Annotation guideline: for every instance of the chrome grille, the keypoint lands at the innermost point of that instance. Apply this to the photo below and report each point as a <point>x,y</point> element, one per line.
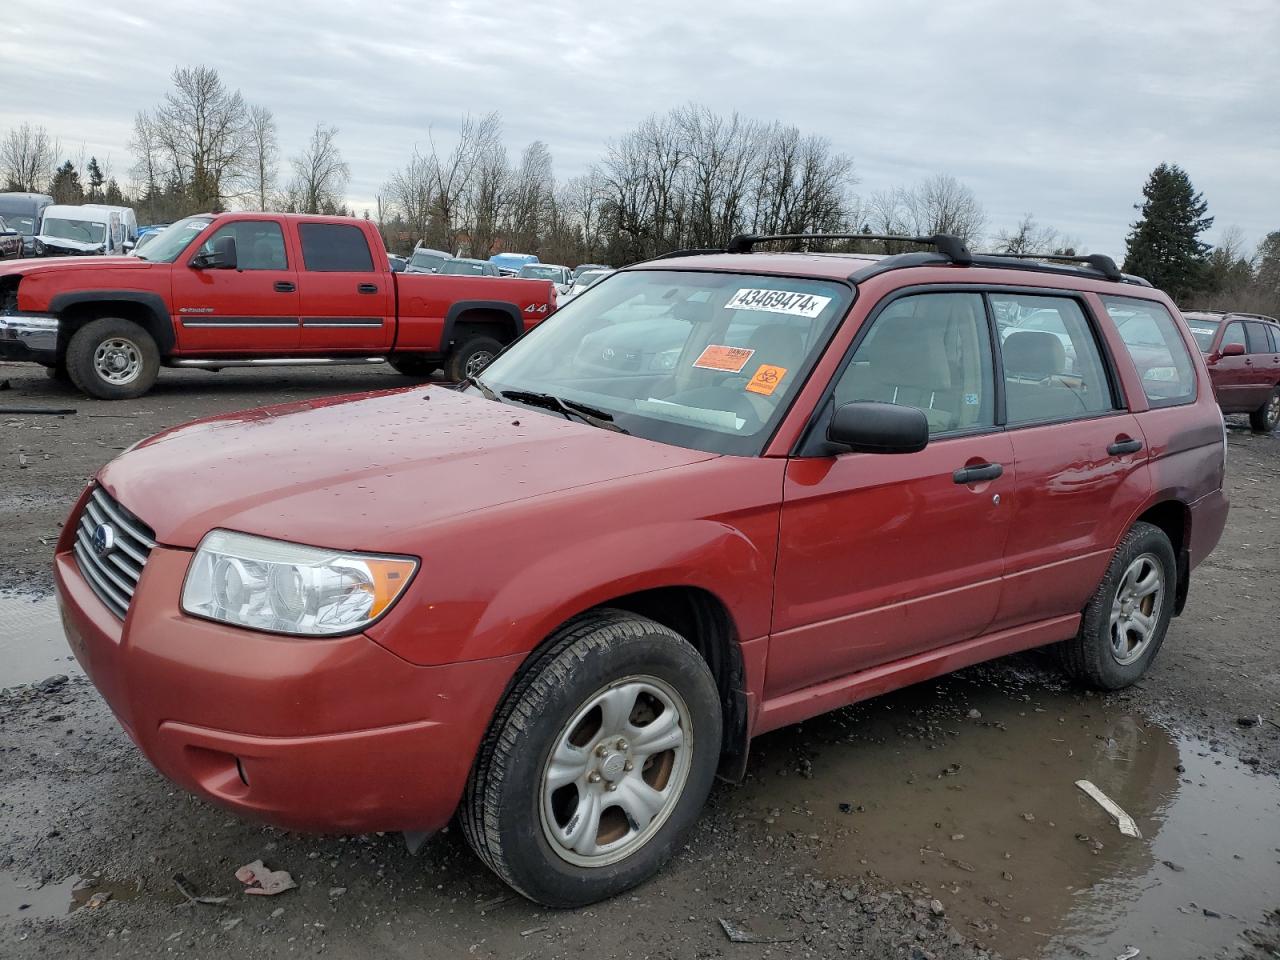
<point>113,563</point>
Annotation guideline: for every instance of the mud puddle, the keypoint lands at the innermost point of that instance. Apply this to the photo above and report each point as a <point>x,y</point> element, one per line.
<point>964,791</point>
<point>32,644</point>
<point>22,899</point>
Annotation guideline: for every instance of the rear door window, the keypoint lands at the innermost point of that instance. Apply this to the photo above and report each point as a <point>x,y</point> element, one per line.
<point>1259,339</point>
<point>1233,334</point>
<point>1053,369</point>
<point>334,248</point>
<point>1157,349</point>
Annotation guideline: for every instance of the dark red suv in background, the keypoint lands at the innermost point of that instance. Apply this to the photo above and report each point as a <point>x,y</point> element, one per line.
<point>1243,354</point>
<point>711,496</point>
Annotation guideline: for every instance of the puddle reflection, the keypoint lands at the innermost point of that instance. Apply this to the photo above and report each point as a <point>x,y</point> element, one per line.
<point>967,788</point>
<point>32,645</point>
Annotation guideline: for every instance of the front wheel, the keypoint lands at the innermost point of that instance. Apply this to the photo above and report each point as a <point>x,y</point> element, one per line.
<point>113,359</point>
<point>1128,616</point>
<point>1265,418</point>
<point>598,762</point>
<point>470,357</point>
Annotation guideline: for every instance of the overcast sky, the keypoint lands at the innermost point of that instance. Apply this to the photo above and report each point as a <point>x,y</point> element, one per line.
<point>1060,110</point>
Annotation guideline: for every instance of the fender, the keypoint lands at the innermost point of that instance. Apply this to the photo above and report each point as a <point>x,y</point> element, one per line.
<point>160,327</point>
<point>510,310</point>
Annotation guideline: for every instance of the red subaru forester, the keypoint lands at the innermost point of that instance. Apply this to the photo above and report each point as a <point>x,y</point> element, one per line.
<point>714,495</point>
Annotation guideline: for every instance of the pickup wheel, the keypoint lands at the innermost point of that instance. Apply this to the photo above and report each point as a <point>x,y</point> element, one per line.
<point>414,366</point>
<point>597,763</point>
<point>113,359</point>
<point>1128,616</point>
<point>470,357</point>
<point>1265,418</point>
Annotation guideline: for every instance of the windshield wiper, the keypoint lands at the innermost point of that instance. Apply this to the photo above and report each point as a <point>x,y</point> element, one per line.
<point>593,416</point>
<point>482,387</point>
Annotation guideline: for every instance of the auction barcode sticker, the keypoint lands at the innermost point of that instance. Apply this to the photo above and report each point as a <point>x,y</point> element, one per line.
<point>779,301</point>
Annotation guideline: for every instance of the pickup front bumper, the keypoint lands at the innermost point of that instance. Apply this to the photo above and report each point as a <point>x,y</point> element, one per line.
<point>29,336</point>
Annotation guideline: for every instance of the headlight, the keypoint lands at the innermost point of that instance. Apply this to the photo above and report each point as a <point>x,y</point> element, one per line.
<point>288,588</point>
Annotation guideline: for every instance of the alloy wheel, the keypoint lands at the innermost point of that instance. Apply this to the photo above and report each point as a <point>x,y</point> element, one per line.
<point>1135,610</point>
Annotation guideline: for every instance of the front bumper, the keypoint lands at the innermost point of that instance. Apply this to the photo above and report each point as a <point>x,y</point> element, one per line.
<point>332,736</point>
<point>29,336</point>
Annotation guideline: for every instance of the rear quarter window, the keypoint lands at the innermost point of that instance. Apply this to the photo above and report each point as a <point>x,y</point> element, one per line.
<point>1157,349</point>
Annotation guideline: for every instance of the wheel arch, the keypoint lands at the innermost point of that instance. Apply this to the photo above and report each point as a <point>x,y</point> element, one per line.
<point>148,310</point>
<point>1173,516</point>
<point>498,317</point>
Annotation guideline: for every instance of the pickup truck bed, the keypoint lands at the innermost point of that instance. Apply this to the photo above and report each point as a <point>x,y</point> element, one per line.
<point>254,289</point>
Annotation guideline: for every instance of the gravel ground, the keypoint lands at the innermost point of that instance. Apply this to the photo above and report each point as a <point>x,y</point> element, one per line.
<point>79,806</point>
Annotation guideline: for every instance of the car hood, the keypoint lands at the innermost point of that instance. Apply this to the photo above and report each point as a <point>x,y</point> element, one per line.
<point>366,472</point>
<point>79,264</point>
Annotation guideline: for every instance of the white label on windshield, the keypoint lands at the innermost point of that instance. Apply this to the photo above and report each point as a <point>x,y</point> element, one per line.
<point>779,301</point>
<point>1209,330</point>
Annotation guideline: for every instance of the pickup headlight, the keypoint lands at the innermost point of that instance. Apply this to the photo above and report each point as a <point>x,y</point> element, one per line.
<point>285,587</point>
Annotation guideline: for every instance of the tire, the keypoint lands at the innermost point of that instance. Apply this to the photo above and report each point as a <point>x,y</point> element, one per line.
<point>523,828</point>
<point>420,368</point>
<point>1265,418</point>
<point>1110,656</point>
<point>470,357</point>
<point>102,344</point>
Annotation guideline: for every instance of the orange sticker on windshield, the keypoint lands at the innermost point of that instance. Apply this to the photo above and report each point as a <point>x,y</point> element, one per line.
<point>728,359</point>
<point>766,379</point>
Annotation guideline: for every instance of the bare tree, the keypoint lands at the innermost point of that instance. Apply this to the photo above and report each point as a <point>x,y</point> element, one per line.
<point>320,175</point>
<point>28,156</point>
<point>197,138</point>
<point>411,194</point>
<point>532,192</point>
<point>264,155</point>
<point>1028,236</point>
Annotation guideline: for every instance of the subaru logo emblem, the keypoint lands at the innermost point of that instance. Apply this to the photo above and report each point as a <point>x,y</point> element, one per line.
<point>104,539</point>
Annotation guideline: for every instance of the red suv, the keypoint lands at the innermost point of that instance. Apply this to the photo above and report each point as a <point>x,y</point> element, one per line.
<point>714,495</point>
<point>1243,354</point>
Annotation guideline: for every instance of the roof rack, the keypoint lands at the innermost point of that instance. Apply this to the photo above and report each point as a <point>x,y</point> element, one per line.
<point>953,248</point>
<point>1100,262</point>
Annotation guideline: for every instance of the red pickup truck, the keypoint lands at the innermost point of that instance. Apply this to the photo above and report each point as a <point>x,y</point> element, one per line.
<point>254,289</point>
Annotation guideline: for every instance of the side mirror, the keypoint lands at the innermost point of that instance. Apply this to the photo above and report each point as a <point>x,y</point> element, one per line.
<point>868,426</point>
<point>223,256</point>
<point>1233,350</point>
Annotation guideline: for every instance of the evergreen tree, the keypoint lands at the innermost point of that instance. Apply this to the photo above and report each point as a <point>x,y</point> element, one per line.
<point>1164,245</point>
<point>96,180</point>
<point>66,187</point>
<point>1269,264</point>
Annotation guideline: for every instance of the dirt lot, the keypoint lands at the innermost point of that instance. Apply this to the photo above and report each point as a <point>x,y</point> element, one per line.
<point>937,822</point>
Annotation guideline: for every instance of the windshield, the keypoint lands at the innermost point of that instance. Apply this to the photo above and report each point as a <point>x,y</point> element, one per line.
<point>462,267</point>
<point>427,261</point>
<point>173,239</point>
<point>82,231</point>
<point>1203,331</point>
<point>708,361</point>
<point>538,272</point>
<point>24,225</point>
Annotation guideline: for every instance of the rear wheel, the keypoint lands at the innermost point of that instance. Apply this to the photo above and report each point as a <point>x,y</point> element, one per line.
<point>598,762</point>
<point>1128,616</point>
<point>1265,418</point>
<point>113,359</point>
<point>470,357</point>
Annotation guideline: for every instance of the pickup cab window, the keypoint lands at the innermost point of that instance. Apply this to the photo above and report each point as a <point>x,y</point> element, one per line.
<point>259,244</point>
<point>334,248</point>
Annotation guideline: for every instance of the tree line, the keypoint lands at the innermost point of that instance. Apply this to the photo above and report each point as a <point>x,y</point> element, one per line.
<point>686,179</point>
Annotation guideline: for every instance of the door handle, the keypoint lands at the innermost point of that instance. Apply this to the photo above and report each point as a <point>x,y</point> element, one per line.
<point>367,287</point>
<point>284,286</point>
<point>1121,447</point>
<point>977,473</point>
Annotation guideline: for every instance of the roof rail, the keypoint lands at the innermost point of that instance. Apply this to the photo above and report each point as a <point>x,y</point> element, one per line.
<point>1100,262</point>
<point>953,248</point>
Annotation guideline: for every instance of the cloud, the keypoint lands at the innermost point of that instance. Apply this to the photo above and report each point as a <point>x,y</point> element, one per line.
<point>1060,111</point>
